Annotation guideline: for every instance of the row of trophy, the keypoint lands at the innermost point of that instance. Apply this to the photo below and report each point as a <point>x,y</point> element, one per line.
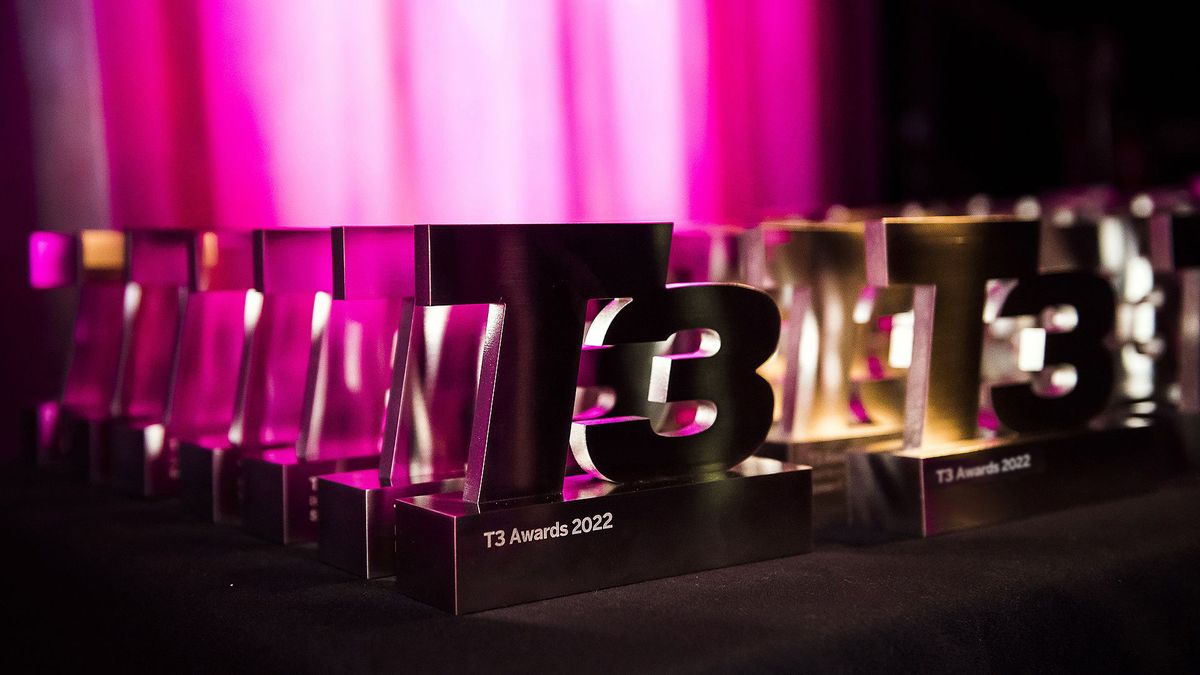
<point>502,413</point>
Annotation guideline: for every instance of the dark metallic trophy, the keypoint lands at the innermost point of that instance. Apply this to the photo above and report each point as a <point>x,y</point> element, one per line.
<point>426,431</point>
<point>347,376</point>
<point>1175,247</point>
<point>156,271</point>
<point>837,382</point>
<point>93,262</point>
<point>655,503</point>
<point>1053,445</point>
<point>201,386</point>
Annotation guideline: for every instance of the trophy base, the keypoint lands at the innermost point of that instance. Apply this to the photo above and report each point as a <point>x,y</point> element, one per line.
<point>145,463</point>
<point>356,530</point>
<point>210,480</point>
<point>83,445</point>
<point>827,457</point>
<point>923,492</point>
<point>279,503</point>
<point>464,557</point>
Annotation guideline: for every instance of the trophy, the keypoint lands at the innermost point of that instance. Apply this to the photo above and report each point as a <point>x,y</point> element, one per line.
<point>1175,249</point>
<point>701,252</point>
<point>155,273</point>
<point>93,262</point>
<point>270,371</point>
<point>652,504</point>
<point>838,384</point>
<point>347,376</point>
<point>1052,446</point>
<point>202,387</point>
<point>426,431</point>
<point>1115,246</point>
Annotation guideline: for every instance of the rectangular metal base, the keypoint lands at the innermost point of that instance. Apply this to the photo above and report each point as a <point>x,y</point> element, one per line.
<point>464,557</point>
<point>827,457</point>
<point>145,463</point>
<point>923,492</point>
<point>356,530</point>
<point>279,502</point>
<point>210,480</point>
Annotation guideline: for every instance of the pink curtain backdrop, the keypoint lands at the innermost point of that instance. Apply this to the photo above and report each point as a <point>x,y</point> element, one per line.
<point>259,113</point>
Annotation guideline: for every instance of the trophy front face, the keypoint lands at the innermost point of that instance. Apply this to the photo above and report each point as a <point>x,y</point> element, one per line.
<point>1027,351</point>
<point>537,280</point>
<point>949,263</point>
<point>682,410</point>
<point>833,373</point>
<point>721,372</point>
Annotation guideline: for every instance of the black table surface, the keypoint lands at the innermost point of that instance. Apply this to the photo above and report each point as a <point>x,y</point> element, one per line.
<point>93,580</point>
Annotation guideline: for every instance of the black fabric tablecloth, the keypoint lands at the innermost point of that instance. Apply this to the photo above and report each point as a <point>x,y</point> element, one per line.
<point>93,579</point>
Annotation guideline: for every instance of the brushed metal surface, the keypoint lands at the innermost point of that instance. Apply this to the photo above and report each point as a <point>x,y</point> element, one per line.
<point>537,280</point>
<point>721,372</point>
<point>760,510</point>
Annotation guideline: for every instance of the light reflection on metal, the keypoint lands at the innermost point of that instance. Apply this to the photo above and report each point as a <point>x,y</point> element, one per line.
<point>102,253</point>
<point>537,280</point>
<point>1100,237</point>
<point>815,272</point>
<point>734,413</point>
<point>704,253</point>
<point>951,259</point>
<point>94,262</point>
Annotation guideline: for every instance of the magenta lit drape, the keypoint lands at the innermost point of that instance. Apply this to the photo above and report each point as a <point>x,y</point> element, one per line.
<point>252,113</point>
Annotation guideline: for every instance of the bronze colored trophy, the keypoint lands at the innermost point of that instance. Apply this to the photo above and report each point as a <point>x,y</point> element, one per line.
<point>837,383</point>
<point>1054,447</point>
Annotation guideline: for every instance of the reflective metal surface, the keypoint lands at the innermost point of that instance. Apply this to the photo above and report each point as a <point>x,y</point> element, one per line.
<point>1022,407</point>
<point>425,433</point>
<point>949,261</point>
<point>816,274</point>
<point>1089,234</point>
<point>537,280</point>
<point>924,492</point>
<point>696,345</point>
<point>356,529</point>
<point>721,372</point>
<point>276,345</point>
<point>942,477</point>
<point>701,252</point>
<point>348,370</point>
<point>94,262</point>
<point>463,557</point>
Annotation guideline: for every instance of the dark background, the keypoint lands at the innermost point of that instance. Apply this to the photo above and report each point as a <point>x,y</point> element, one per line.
<point>939,99</point>
<point>1024,96</point>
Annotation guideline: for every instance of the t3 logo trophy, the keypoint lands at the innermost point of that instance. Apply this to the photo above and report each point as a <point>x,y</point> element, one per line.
<point>839,385</point>
<point>653,504</point>
<point>1053,447</point>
